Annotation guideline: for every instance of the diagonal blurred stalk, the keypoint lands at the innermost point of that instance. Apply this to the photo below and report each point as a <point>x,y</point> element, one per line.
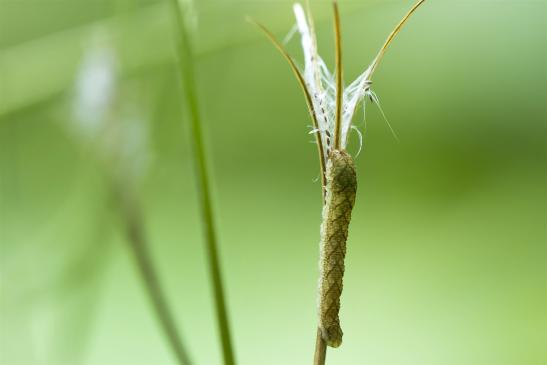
<point>186,72</point>
<point>131,214</point>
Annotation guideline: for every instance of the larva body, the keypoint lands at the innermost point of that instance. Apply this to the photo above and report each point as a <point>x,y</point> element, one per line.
<point>339,200</point>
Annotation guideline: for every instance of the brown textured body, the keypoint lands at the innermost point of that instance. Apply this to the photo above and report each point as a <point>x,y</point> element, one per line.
<point>339,201</point>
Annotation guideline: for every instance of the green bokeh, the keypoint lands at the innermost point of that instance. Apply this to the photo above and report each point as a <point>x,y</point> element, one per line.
<point>447,259</point>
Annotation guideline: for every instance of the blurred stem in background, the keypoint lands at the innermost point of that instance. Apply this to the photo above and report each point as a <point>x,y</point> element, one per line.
<point>132,215</point>
<point>108,122</point>
<point>186,71</point>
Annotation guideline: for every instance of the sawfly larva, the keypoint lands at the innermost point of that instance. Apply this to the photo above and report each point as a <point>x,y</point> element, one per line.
<point>339,200</point>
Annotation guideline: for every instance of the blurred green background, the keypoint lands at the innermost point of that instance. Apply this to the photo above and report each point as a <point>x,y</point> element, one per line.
<point>447,250</point>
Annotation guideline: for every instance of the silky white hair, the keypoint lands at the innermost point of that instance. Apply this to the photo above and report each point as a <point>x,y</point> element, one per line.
<point>320,84</point>
<point>322,87</point>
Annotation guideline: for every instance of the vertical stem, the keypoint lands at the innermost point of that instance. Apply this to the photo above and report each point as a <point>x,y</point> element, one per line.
<point>320,350</point>
<point>338,57</point>
<point>186,71</point>
<point>134,229</point>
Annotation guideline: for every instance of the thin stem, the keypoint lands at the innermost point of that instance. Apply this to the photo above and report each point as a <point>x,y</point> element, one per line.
<point>320,350</point>
<point>186,71</point>
<point>140,248</point>
<point>338,56</point>
<point>309,102</point>
<point>392,36</point>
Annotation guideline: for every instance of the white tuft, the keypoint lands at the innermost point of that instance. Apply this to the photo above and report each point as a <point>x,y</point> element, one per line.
<point>322,88</point>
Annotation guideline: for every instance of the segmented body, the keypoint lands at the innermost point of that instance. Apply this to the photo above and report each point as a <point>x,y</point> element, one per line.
<point>339,200</point>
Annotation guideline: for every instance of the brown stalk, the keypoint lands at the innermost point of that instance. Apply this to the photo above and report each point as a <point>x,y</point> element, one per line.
<point>309,103</point>
<point>338,57</point>
<point>392,35</point>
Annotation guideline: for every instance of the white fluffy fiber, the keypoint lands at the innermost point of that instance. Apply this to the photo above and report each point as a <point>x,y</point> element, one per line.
<point>322,87</point>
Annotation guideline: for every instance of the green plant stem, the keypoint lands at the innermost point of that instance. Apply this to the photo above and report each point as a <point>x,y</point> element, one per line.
<point>186,71</point>
<point>131,215</point>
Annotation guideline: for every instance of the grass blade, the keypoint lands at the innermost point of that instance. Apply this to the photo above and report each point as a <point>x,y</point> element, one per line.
<point>186,72</point>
